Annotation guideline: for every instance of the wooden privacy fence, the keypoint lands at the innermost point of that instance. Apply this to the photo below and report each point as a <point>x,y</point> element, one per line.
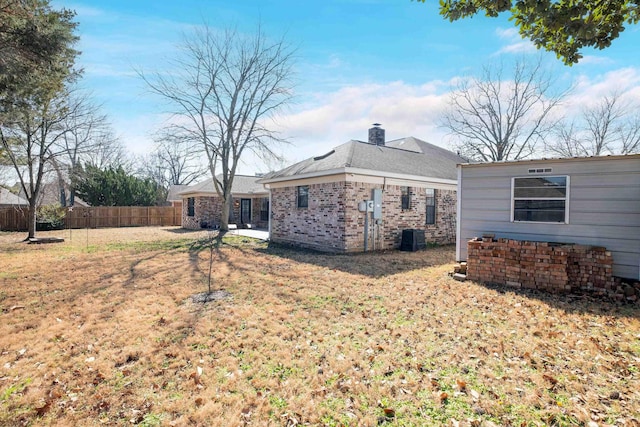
<point>15,219</point>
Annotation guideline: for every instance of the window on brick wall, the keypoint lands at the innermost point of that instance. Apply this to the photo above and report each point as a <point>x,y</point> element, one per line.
<point>540,199</point>
<point>191,206</point>
<point>431,206</point>
<point>303,196</point>
<point>264,209</point>
<point>405,197</point>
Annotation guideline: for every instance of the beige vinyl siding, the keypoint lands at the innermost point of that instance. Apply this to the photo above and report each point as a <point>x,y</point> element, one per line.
<point>604,206</point>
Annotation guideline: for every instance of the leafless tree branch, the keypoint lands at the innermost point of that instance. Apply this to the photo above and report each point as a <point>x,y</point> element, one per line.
<point>224,88</point>
<point>611,126</point>
<point>492,118</point>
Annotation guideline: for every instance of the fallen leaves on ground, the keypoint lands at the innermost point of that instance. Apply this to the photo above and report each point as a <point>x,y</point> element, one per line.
<point>110,334</point>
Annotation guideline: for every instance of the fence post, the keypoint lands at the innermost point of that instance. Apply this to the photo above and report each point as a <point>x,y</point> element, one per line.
<point>15,218</point>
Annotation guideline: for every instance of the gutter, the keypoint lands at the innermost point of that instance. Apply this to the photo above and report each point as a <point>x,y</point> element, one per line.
<point>357,171</point>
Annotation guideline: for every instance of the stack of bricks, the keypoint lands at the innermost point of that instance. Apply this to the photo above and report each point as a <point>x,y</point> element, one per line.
<point>591,268</point>
<point>540,265</point>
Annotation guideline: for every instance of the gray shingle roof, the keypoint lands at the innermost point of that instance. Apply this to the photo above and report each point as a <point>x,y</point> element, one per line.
<point>8,198</point>
<point>50,195</point>
<point>242,184</point>
<point>407,156</point>
<point>174,191</point>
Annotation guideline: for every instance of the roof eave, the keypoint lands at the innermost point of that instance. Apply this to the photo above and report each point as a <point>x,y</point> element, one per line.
<point>357,171</point>
<point>552,159</point>
<point>215,193</point>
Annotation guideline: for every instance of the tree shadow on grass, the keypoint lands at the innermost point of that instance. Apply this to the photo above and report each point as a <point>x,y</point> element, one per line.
<point>211,244</point>
<point>570,303</point>
<point>372,264</point>
<point>184,231</point>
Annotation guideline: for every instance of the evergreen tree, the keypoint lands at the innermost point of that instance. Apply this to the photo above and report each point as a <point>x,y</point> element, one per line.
<point>115,187</point>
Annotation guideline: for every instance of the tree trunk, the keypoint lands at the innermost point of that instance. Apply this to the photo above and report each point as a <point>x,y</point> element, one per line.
<point>224,216</point>
<point>32,218</point>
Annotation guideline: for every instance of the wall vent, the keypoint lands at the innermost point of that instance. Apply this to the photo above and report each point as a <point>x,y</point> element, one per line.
<point>541,170</point>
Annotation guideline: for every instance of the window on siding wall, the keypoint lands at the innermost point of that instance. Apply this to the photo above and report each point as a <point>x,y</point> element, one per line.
<point>540,199</point>
<point>191,206</point>
<point>431,206</point>
<point>264,209</point>
<point>405,197</point>
<point>303,196</point>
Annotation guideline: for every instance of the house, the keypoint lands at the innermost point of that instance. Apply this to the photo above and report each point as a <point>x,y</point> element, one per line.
<point>202,206</point>
<point>173,195</point>
<point>318,202</point>
<point>55,193</point>
<point>8,199</point>
<point>586,201</point>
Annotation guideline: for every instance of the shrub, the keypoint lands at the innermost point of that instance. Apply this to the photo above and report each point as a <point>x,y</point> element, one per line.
<point>50,217</point>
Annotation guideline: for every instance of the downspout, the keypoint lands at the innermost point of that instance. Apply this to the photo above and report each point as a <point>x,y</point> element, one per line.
<point>270,209</point>
<point>458,213</point>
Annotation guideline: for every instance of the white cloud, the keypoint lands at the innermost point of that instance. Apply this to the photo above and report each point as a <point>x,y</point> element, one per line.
<point>328,119</point>
<point>594,60</point>
<point>108,70</point>
<point>410,110</point>
<point>520,47</point>
<point>507,33</point>
<point>516,44</point>
<point>334,118</point>
<point>622,80</point>
<point>589,91</point>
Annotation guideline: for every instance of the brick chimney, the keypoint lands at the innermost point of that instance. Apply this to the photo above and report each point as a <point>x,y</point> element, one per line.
<point>376,135</point>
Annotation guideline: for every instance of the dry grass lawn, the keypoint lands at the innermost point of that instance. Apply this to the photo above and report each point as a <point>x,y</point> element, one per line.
<point>103,331</point>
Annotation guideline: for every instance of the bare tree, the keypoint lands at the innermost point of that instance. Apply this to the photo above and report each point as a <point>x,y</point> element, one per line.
<point>610,126</point>
<point>109,151</point>
<point>176,160</point>
<point>565,140</point>
<point>495,118</point>
<point>87,130</point>
<point>32,140</point>
<point>226,87</point>
<point>629,134</point>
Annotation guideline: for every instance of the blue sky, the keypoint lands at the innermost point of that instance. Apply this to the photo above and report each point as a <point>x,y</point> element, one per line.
<point>358,62</point>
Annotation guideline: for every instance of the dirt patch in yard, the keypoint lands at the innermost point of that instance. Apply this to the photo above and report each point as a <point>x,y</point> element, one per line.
<point>106,331</point>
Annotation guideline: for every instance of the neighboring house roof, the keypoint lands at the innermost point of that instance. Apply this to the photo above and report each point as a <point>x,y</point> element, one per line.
<point>407,156</point>
<point>173,194</point>
<point>50,195</point>
<point>242,184</point>
<point>8,198</point>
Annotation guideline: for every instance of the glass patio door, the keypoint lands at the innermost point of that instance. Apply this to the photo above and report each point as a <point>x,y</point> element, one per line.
<point>245,211</point>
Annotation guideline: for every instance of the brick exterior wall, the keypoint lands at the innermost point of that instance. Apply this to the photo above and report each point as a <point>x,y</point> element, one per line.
<point>319,226</point>
<point>540,265</point>
<point>396,219</point>
<point>208,210</point>
<point>333,223</point>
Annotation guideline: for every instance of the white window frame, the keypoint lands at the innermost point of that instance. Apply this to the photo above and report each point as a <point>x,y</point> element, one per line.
<point>566,198</point>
